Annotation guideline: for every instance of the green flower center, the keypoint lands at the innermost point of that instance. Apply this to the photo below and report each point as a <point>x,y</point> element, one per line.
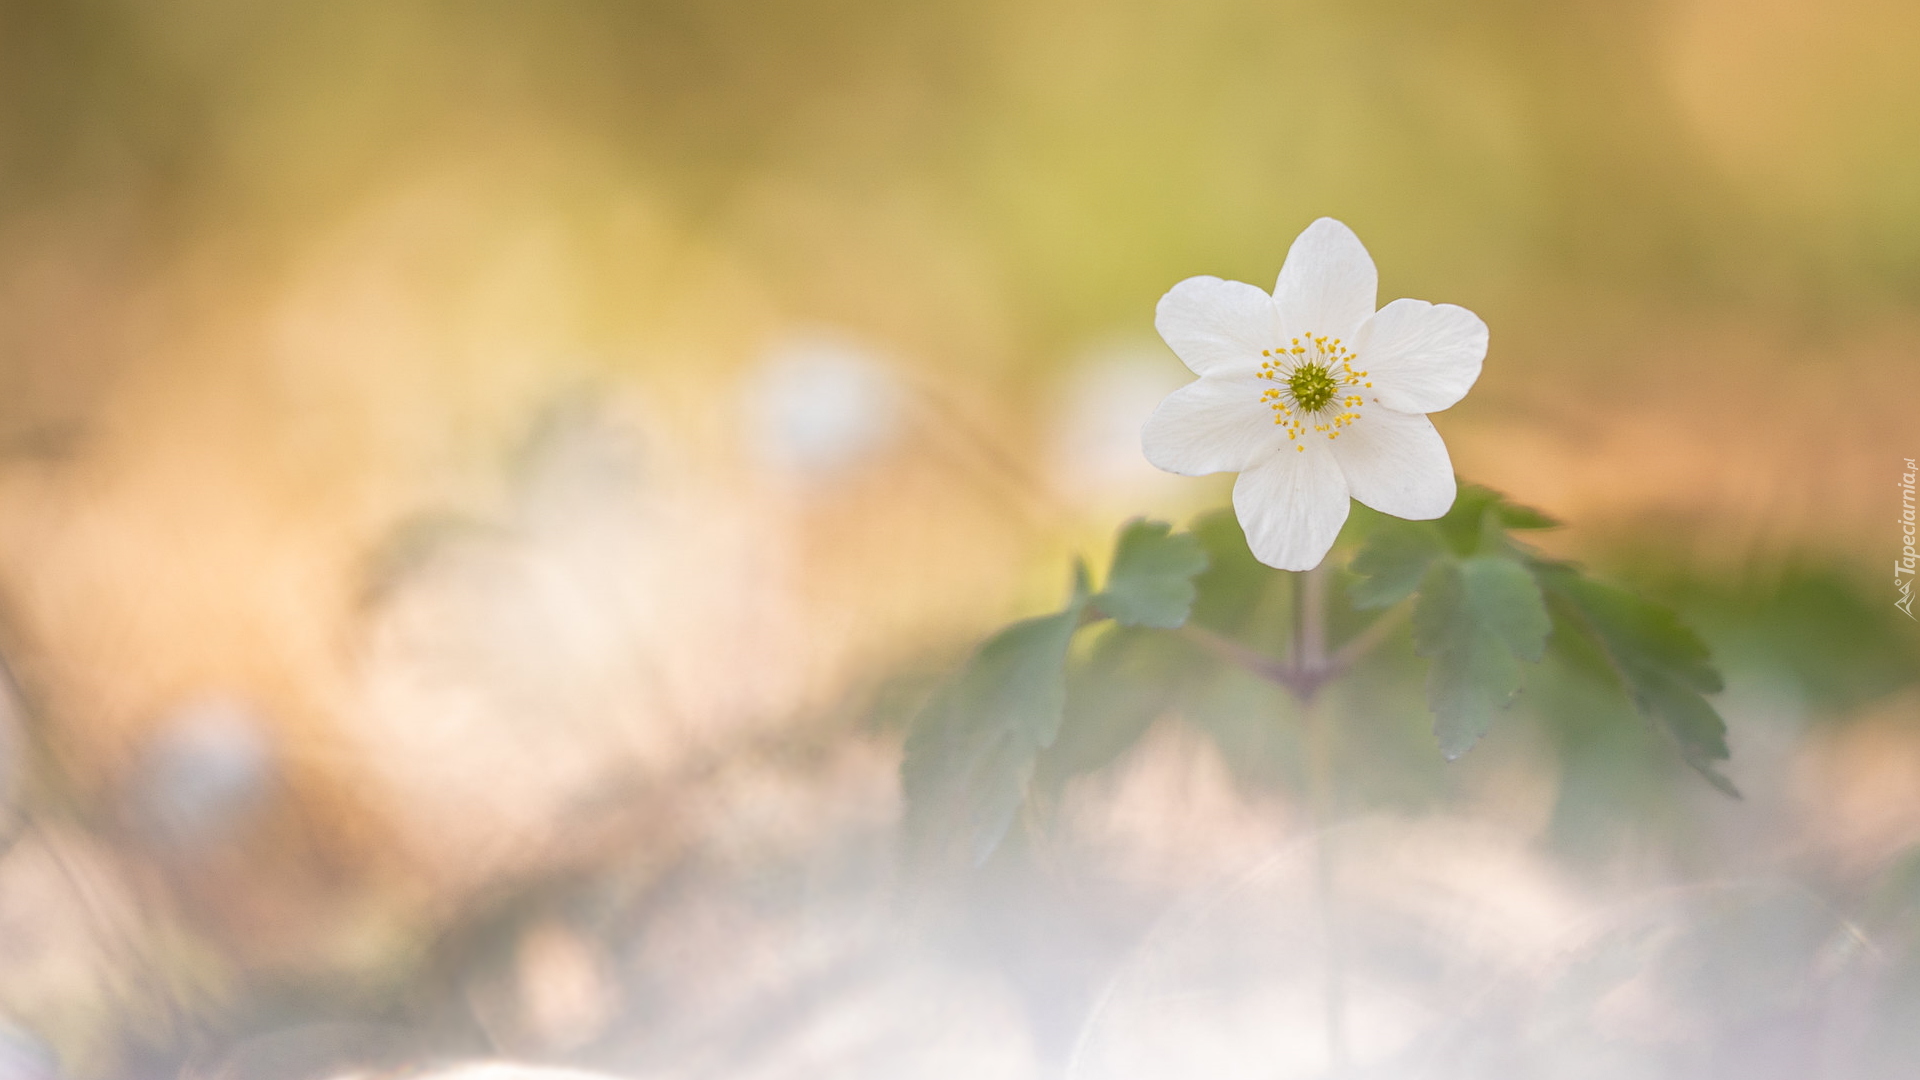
<point>1318,388</point>
<point>1312,387</point>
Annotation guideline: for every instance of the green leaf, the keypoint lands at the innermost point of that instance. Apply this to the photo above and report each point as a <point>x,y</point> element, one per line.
<point>1478,522</point>
<point>1018,678</point>
<point>971,750</point>
<point>1695,725</point>
<point>1476,619</point>
<point>1664,667</point>
<point>1392,562</point>
<point>1642,636</point>
<point>1463,525</point>
<point>1151,583</point>
<point>1466,685</point>
<point>1128,679</point>
<point>1515,516</point>
<point>1230,589</point>
<point>1507,601</point>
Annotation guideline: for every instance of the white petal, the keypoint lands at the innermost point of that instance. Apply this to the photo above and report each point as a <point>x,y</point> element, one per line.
<point>1328,284</point>
<point>1396,463</point>
<point>1421,357</point>
<point>1217,424</point>
<point>1291,506</point>
<point>1217,326</point>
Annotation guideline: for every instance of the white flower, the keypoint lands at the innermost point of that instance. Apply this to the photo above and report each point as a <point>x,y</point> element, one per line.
<point>1313,396</point>
<point>819,404</point>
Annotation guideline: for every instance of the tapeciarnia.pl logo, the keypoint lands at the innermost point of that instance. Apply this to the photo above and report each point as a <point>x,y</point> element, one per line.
<point>1903,566</point>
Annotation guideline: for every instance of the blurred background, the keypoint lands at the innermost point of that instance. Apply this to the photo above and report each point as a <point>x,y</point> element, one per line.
<point>481,486</point>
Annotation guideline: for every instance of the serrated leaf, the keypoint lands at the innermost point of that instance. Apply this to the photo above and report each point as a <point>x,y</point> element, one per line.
<point>1018,678</point>
<point>1639,632</point>
<point>971,751</point>
<point>1506,600</point>
<point>1469,682</point>
<point>1130,677</point>
<point>1476,619</point>
<point>1392,562</point>
<point>1662,665</point>
<point>1695,725</point>
<point>1151,583</point>
<point>998,785</point>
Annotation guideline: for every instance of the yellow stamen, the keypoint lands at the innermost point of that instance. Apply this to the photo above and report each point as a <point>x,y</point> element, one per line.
<point>1311,378</point>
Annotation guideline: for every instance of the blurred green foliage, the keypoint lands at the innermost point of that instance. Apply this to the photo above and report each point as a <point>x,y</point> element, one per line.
<point>1477,619</point>
<point>1151,580</point>
<point>971,751</point>
<point>1484,605</point>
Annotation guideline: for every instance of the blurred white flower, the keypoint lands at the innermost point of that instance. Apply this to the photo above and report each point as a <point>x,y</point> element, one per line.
<point>1313,396</point>
<point>208,766</point>
<point>817,404</point>
<point>1095,452</point>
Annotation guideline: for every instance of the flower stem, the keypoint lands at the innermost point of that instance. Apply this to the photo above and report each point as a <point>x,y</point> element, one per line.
<point>1310,621</point>
<point>1311,661</point>
<point>1302,683</point>
<point>1307,670</point>
<point>1281,673</point>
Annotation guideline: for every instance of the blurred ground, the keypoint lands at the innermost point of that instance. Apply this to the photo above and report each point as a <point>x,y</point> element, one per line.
<point>475,482</point>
